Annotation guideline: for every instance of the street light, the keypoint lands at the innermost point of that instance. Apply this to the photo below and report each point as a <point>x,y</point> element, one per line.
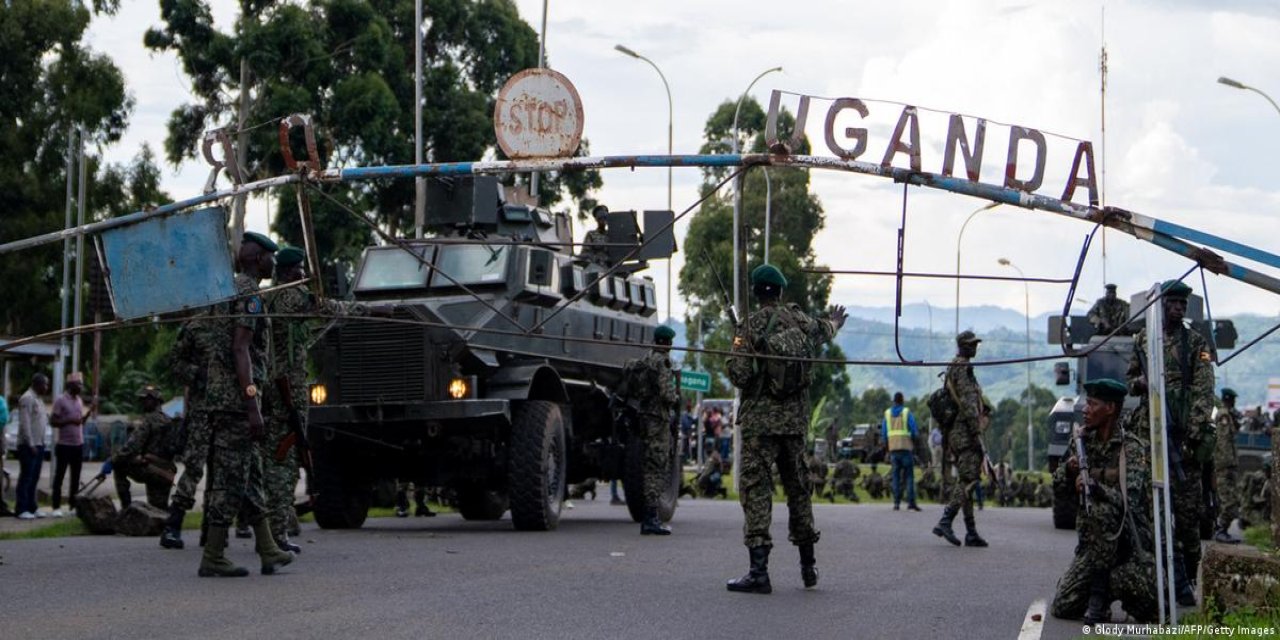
<point>1240,85</point>
<point>737,199</point>
<point>670,121</point>
<point>1005,262</point>
<point>960,237</point>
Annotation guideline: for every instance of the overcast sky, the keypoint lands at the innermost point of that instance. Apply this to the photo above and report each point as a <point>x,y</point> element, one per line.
<point>1179,146</point>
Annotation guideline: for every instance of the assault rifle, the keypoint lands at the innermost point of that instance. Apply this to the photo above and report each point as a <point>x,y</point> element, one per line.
<point>297,436</point>
<point>724,293</point>
<point>1083,461</point>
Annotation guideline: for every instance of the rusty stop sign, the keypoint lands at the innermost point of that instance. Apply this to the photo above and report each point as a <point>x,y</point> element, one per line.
<point>538,115</point>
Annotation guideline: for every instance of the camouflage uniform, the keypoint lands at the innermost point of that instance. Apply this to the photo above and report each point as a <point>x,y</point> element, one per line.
<point>1196,438</point>
<point>817,475</point>
<point>152,436</point>
<point>1108,313</point>
<point>964,440</point>
<point>235,462</point>
<point>651,383</point>
<point>593,247</point>
<point>929,484</point>
<point>1115,537</point>
<point>1226,467</point>
<point>773,431</point>
<point>874,484</point>
<point>190,367</point>
<point>288,359</point>
<point>1044,495</point>
<point>843,480</point>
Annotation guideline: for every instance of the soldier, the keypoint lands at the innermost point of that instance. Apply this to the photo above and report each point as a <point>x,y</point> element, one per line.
<point>773,420</point>
<point>649,386</point>
<point>843,480</point>
<point>1188,383</point>
<point>1043,495</point>
<point>817,474</point>
<point>236,370</point>
<point>929,484</point>
<point>964,443</point>
<point>709,481</point>
<point>874,483</point>
<point>1108,313</point>
<point>595,245</point>
<point>147,456</point>
<point>190,362</point>
<point>1113,556</point>
<point>1226,480</point>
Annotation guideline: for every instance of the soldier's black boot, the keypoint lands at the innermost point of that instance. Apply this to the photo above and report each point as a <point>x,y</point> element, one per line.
<point>808,566</point>
<point>971,537</point>
<point>272,556</point>
<point>213,563</point>
<point>287,545</point>
<point>1099,609</point>
<point>172,536</point>
<point>1225,537</point>
<point>757,578</point>
<point>652,525</point>
<point>126,498</point>
<point>943,528</point>
<point>1183,592</point>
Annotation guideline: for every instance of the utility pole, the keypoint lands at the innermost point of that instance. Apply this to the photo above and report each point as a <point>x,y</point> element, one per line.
<point>242,154</point>
<point>419,182</point>
<point>75,350</point>
<point>59,365</point>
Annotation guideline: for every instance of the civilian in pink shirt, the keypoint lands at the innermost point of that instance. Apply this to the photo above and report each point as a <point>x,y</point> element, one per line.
<point>68,418</point>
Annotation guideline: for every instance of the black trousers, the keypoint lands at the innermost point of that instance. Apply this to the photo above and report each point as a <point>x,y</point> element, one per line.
<point>68,456</point>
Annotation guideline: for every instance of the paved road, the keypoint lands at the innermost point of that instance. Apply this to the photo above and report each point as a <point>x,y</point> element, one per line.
<point>884,575</point>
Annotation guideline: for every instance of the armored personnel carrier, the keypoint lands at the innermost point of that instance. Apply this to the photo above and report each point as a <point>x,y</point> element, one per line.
<point>486,363</point>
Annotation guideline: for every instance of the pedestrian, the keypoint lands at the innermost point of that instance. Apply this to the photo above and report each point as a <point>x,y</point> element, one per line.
<point>33,422</point>
<point>900,432</point>
<point>68,418</point>
<point>237,369</point>
<point>1188,385</point>
<point>965,441</point>
<point>1113,557</point>
<point>1226,480</point>
<point>147,456</point>
<point>189,365</point>
<point>935,447</point>
<point>773,419</point>
<point>649,388</point>
<point>4,473</point>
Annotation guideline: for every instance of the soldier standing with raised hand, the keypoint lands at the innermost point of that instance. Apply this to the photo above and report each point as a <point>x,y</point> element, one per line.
<point>1227,480</point>
<point>1188,385</point>
<point>965,441</point>
<point>237,368</point>
<point>773,419</point>
<point>650,382</point>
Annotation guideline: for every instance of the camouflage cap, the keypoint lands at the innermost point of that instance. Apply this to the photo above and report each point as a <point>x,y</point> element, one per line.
<point>1175,289</point>
<point>768,274</point>
<point>1106,389</point>
<point>261,240</point>
<point>289,256</point>
<point>967,337</point>
<point>1228,392</point>
<point>664,334</point>
<point>150,391</point>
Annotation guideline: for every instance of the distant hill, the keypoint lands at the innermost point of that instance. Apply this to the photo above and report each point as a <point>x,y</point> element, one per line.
<point>868,335</point>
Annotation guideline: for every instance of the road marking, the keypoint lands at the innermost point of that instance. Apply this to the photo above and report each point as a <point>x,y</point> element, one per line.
<point>1033,624</point>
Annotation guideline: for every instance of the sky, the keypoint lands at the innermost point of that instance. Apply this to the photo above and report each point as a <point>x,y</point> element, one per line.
<point>1178,146</point>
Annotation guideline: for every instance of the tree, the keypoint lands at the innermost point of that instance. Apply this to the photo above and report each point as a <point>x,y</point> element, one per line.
<point>796,217</point>
<point>349,63</point>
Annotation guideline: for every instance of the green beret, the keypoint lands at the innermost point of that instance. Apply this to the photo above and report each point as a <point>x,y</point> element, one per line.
<point>664,334</point>
<point>289,256</point>
<point>261,240</point>
<point>967,337</point>
<point>1106,389</point>
<point>1175,289</point>
<point>768,274</point>
<point>1228,392</point>
<point>150,391</point>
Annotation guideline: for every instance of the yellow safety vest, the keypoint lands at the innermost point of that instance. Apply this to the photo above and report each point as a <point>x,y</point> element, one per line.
<point>899,432</point>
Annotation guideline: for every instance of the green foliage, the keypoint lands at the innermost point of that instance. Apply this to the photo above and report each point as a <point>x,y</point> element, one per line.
<point>1260,537</point>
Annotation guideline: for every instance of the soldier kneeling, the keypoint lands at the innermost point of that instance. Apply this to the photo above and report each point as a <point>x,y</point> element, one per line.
<point>147,456</point>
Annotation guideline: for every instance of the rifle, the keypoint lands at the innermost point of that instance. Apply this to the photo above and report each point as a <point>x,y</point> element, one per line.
<point>1083,461</point>
<point>724,292</point>
<point>297,436</point>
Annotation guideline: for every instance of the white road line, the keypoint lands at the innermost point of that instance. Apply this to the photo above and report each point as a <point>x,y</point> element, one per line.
<point>1033,624</point>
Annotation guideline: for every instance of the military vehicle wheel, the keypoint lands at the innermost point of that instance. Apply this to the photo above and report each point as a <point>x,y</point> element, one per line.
<point>478,503</point>
<point>633,476</point>
<point>537,467</point>
<point>343,498</point>
<point>1065,507</point>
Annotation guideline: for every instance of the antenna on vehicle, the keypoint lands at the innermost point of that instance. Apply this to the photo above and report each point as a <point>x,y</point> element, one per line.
<point>1102,188</point>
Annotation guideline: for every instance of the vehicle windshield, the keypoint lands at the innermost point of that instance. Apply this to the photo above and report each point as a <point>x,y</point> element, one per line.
<point>393,268</point>
<point>1104,363</point>
<point>471,264</point>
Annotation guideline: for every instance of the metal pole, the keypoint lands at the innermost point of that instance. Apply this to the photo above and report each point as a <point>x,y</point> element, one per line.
<point>768,211</point>
<point>1030,398</point>
<point>242,154</point>
<point>542,63</point>
<point>958,239</point>
<point>75,349</point>
<point>1161,502</point>
<point>419,182</point>
<point>737,209</point>
<point>59,365</point>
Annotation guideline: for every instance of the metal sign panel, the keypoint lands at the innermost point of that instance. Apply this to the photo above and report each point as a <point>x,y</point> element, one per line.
<point>169,264</point>
<point>695,381</point>
<point>659,235</point>
<point>538,115</point>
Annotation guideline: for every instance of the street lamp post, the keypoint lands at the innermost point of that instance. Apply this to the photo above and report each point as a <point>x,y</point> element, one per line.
<point>670,137</point>
<point>768,211</point>
<point>1026,291</point>
<point>737,201</point>
<point>960,237</point>
<point>1240,85</point>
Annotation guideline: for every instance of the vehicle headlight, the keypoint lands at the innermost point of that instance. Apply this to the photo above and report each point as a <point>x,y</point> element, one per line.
<point>458,388</point>
<point>319,394</point>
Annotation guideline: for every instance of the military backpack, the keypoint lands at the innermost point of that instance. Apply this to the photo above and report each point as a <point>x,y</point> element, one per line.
<point>783,378</point>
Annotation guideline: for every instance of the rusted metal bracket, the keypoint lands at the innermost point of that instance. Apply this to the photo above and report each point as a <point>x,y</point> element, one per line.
<point>313,164</point>
<point>222,138</point>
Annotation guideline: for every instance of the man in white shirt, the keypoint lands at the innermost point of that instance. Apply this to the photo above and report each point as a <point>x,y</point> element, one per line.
<point>33,421</point>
